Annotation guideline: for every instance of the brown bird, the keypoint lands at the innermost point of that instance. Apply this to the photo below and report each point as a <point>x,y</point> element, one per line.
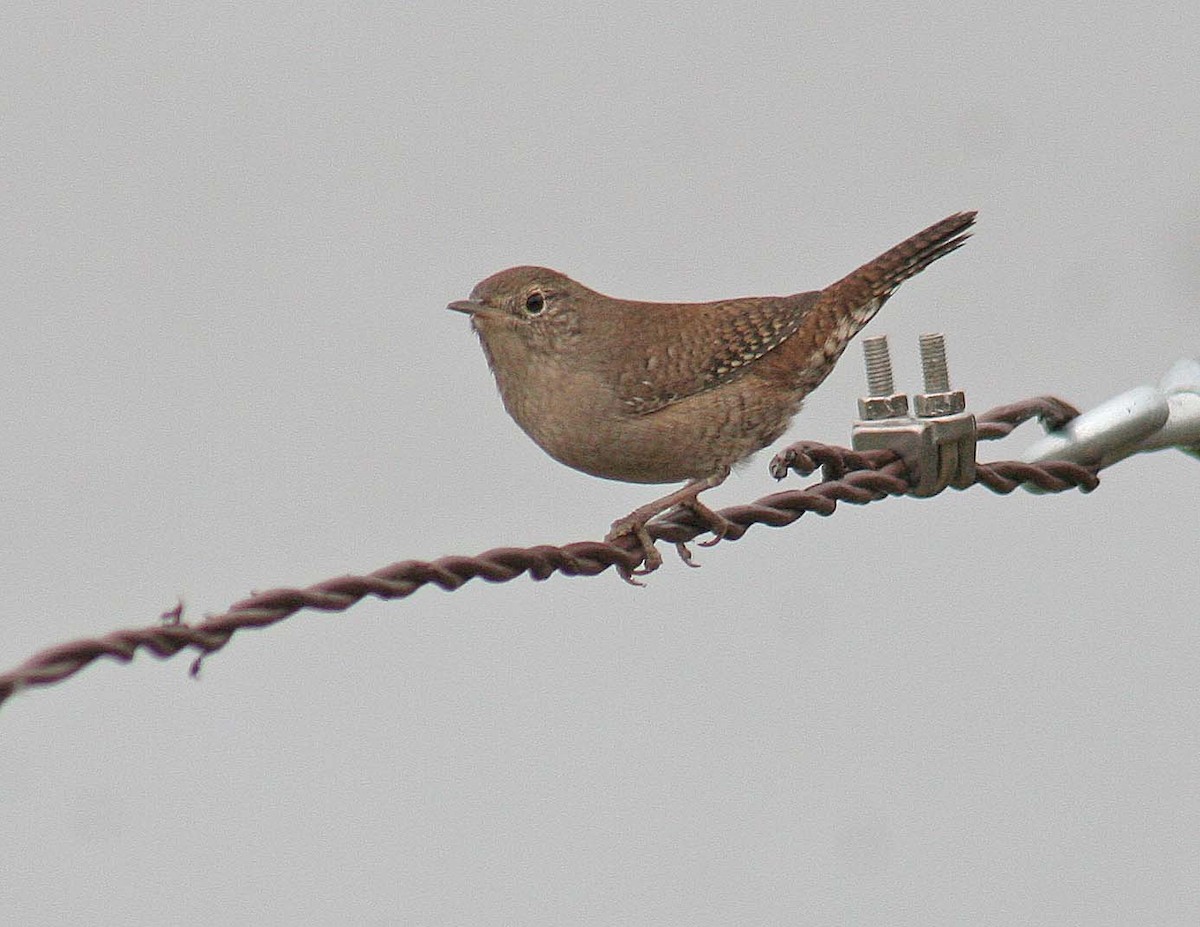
<point>665,392</point>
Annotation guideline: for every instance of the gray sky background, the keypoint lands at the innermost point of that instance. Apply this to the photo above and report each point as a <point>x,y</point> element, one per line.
<point>226,237</point>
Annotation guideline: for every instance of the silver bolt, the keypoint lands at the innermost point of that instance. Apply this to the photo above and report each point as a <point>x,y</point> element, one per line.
<point>879,366</point>
<point>882,400</point>
<point>933,363</point>
<point>938,400</point>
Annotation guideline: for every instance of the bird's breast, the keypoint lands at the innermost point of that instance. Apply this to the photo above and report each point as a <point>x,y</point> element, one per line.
<point>575,414</point>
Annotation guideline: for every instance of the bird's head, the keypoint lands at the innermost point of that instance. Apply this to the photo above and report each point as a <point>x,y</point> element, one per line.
<point>534,305</point>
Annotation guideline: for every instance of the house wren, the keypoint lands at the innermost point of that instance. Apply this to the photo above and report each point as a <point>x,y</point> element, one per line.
<point>665,392</point>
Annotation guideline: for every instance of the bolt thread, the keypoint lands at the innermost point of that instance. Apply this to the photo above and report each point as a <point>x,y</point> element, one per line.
<point>879,366</point>
<point>933,363</point>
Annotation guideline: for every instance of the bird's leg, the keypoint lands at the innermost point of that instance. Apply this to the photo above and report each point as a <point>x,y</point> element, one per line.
<point>635,522</point>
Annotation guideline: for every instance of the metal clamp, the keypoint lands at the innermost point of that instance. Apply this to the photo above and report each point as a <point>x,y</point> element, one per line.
<point>937,444</point>
<point>1146,418</point>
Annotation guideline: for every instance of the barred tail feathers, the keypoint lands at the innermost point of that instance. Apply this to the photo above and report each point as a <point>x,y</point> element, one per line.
<point>878,279</point>
<point>843,308</point>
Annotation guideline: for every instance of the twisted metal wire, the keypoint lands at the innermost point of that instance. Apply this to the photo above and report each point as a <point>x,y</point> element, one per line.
<point>847,476</point>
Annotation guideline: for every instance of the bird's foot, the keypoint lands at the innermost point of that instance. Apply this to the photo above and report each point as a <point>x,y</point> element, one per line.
<point>651,558</point>
<point>718,524</point>
<point>635,524</point>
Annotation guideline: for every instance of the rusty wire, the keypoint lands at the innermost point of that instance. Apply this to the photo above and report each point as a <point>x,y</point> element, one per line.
<point>847,476</point>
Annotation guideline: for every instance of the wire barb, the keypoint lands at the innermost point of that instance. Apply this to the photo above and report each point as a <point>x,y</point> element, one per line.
<point>848,476</point>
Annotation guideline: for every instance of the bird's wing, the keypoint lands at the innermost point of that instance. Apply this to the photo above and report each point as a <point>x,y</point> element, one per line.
<point>699,357</point>
<point>732,334</point>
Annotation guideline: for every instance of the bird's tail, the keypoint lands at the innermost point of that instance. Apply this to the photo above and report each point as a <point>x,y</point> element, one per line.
<point>878,279</point>
<point>842,309</point>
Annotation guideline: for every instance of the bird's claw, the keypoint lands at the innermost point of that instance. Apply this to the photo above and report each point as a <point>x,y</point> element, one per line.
<point>685,555</point>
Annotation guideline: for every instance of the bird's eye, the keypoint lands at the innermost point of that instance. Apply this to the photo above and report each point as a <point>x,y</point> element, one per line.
<point>535,302</point>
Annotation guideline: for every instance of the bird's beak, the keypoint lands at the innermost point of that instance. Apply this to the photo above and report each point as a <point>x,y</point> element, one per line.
<point>469,306</point>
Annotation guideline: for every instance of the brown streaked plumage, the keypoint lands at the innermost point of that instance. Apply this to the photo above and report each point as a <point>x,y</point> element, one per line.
<point>666,392</point>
